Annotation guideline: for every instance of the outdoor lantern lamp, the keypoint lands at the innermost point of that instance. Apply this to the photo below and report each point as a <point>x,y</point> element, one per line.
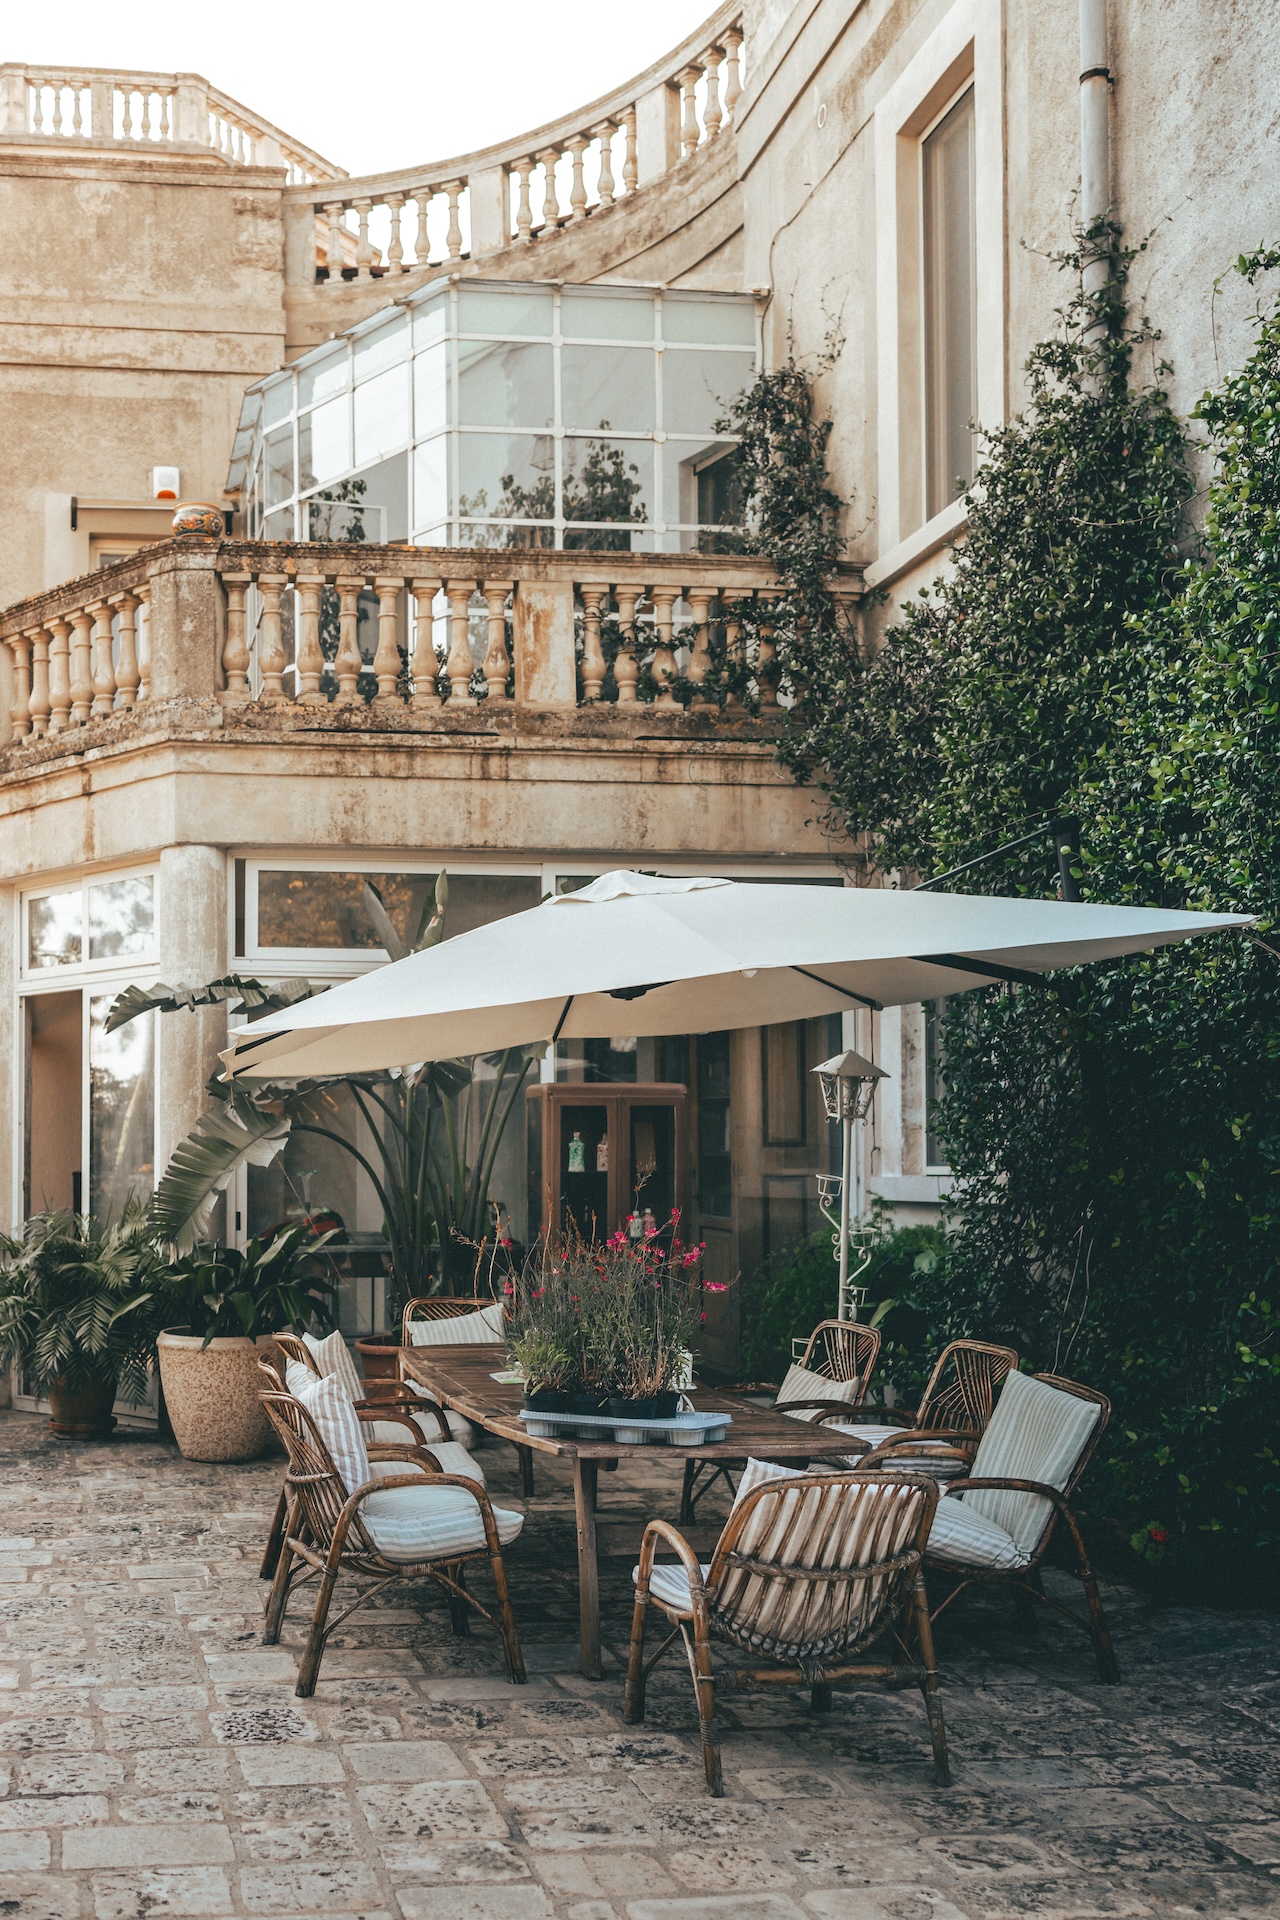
<point>848,1085</point>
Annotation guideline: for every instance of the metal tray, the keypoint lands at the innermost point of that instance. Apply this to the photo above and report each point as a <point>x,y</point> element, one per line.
<point>681,1430</point>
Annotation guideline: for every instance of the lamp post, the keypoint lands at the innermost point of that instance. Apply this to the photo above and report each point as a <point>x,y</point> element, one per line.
<point>848,1085</point>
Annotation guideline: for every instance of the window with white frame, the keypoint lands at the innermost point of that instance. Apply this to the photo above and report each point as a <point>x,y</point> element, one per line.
<point>87,1118</point>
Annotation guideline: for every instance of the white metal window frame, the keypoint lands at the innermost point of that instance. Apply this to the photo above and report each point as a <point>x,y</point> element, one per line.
<point>32,977</point>
<point>964,50</point>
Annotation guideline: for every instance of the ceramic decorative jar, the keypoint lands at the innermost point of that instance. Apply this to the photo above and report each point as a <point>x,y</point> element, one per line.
<point>199,517</point>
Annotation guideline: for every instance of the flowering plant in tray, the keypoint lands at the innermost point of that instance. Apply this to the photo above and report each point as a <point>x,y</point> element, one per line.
<point>608,1326</point>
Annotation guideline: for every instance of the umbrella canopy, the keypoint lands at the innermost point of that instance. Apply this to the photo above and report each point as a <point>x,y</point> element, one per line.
<point>641,955</point>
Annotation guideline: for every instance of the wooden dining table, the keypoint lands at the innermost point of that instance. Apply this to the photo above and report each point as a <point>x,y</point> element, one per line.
<point>462,1378</point>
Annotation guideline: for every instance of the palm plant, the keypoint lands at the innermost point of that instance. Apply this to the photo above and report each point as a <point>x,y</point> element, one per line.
<point>429,1149</point>
<point>81,1301</point>
<point>242,1292</point>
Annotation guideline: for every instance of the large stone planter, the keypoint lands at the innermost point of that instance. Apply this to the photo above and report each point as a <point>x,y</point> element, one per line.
<point>211,1393</point>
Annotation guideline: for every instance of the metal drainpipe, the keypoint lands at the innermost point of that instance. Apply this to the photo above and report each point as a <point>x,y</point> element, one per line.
<point>1095,129</point>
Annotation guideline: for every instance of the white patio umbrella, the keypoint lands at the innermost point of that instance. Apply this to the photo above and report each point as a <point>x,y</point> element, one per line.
<point>642,955</point>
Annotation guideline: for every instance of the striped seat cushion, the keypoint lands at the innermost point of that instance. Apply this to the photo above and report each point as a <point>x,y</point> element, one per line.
<point>460,1428</point>
<point>333,1356</point>
<point>459,1329</point>
<point>669,1586</point>
<point>407,1524</point>
<point>962,1537</point>
<point>802,1383</point>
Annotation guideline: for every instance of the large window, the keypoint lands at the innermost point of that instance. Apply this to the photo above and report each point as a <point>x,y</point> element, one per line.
<point>950,304</point>
<point>507,416</point>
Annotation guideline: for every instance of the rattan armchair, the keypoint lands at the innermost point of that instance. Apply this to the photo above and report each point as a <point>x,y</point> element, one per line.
<point>811,1571</point>
<point>1002,1537</point>
<point>327,1532</point>
<point>840,1350</point>
<point>954,1412</point>
<point>437,1306</point>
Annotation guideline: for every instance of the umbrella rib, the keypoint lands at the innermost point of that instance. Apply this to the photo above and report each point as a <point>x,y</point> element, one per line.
<point>564,1015</point>
<point>833,986</point>
<point>989,969</point>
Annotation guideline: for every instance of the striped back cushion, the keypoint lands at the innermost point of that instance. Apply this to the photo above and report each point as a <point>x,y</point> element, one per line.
<point>333,1356</point>
<point>1037,1432</point>
<point>803,1384</point>
<point>329,1404</point>
<point>798,1526</point>
<point>459,1329</point>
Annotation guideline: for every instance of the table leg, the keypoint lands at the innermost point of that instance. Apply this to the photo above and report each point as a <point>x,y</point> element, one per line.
<point>584,1501</point>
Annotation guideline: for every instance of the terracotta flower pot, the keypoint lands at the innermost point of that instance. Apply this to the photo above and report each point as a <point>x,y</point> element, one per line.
<point>82,1413</point>
<point>211,1394</point>
<point>379,1356</point>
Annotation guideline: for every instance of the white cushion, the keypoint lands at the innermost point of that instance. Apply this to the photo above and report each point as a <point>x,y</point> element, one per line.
<point>451,1455</point>
<point>758,1473</point>
<point>460,1428</point>
<point>802,1383</point>
<point>1037,1432</point>
<point>431,1523</point>
<point>335,1420</point>
<point>670,1585</point>
<point>459,1329</point>
<point>917,1461</point>
<point>332,1355</point>
<point>447,1454</point>
<point>962,1537</point>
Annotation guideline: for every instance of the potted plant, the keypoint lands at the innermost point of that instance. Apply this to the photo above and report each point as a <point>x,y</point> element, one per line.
<point>227,1303</point>
<point>80,1301</point>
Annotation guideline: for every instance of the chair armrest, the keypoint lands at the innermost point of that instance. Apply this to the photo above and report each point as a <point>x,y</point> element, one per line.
<point>392,1450</point>
<point>412,1402</point>
<point>842,1409</point>
<point>384,1415</point>
<point>1011,1486</point>
<point>387,1390</point>
<point>661,1531</point>
<point>942,1442</point>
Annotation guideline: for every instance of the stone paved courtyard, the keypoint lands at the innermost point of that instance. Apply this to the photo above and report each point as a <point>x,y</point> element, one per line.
<point>154,1760</point>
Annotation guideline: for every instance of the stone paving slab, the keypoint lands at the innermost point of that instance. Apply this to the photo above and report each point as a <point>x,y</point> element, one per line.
<point>155,1762</point>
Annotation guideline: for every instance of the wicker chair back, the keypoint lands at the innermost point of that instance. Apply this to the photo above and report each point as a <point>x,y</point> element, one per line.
<point>807,1569</point>
<point>842,1350</point>
<point>311,1475</point>
<point>961,1392</point>
<point>294,1348</point>
<point>435,1306</point>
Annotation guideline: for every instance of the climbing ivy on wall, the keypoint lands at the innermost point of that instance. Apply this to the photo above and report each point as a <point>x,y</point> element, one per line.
<point>1116,1135</point>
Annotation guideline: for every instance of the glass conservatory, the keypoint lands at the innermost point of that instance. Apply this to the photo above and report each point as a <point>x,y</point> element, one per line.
<point>506,414</point>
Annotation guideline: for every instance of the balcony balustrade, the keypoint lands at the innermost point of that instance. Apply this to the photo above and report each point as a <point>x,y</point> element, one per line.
<point>95,106</point>
<point>407,633</point>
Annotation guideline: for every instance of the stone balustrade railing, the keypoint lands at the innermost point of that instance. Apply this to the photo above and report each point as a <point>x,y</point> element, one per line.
<point>534,186</point>
<point>97,106</point>
<point>406,631</point>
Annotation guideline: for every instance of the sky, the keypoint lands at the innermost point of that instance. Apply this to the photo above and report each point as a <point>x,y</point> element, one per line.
<point>375,87</point>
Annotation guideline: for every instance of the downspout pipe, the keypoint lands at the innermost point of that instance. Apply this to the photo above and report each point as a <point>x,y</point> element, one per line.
<point>1095,129</point>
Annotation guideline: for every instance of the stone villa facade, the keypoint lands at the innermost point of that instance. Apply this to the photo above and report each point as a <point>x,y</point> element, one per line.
<point>463,424</point>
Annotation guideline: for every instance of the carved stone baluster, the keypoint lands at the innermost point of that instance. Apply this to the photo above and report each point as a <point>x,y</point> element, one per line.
<point>145,98</point>
<point>333,214</point>
<point>425,665</point>
<point>81,673</point>
<point>690,132</point>
<point>631,165</point>
<point>271,655</point>
<point>664,659</point>
<point>453,239</point>
<point>578,189</point>
<point>166,119</point>
<point>626,668</point>
<point>524,211</point>
<point>459,664</point>
<point>550,195</point>
<point>128,677</point>
<point>497,661</point>
<point>235,648</point>
<point>604,185</point>
<point>386,661</point>
<point>395,246</point>
<point>310,586</point>
<point>77,119</point>
<point>143,631</point>
<point>732,652</point>
<point>732,41</point>
<point>20,712</point>
<point>699,667</point>
<point>126,113</point>
<point>766,655</point>
<point>39,702</point>
<point>104,672</point>
<point>593,660</point>
<point>712,117</point>
<point>364,250</point>
<point>59,675</point>
<point>348,663</point>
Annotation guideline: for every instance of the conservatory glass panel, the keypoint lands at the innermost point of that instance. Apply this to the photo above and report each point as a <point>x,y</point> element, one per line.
<point>382,415</point>
<point>431,321</point>
<point>279,466</point>
<point>609,480</point>
<point>381,347</point>
<point>324,442</point>
<point>599,316</point>
<point>489,310</point>
<point>502,385</point>
<point>508,475</point>
<point>431,481</point>
<point>277,401</point>
<point>698,388</point>
<point>721,323</point>
<point>323,378</point>
<point>431,409</point>
<point>605,387</point>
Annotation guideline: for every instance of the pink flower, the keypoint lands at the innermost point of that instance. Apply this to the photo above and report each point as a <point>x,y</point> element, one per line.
<point>716,1286</point>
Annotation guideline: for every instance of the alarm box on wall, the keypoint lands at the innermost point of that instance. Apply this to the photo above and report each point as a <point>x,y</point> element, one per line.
<point>599,1155</point>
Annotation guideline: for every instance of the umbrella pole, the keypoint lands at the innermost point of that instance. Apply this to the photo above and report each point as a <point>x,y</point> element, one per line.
<point>846,1129</point>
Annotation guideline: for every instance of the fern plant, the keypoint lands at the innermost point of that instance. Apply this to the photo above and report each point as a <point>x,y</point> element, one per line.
<point>81,1300</point>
